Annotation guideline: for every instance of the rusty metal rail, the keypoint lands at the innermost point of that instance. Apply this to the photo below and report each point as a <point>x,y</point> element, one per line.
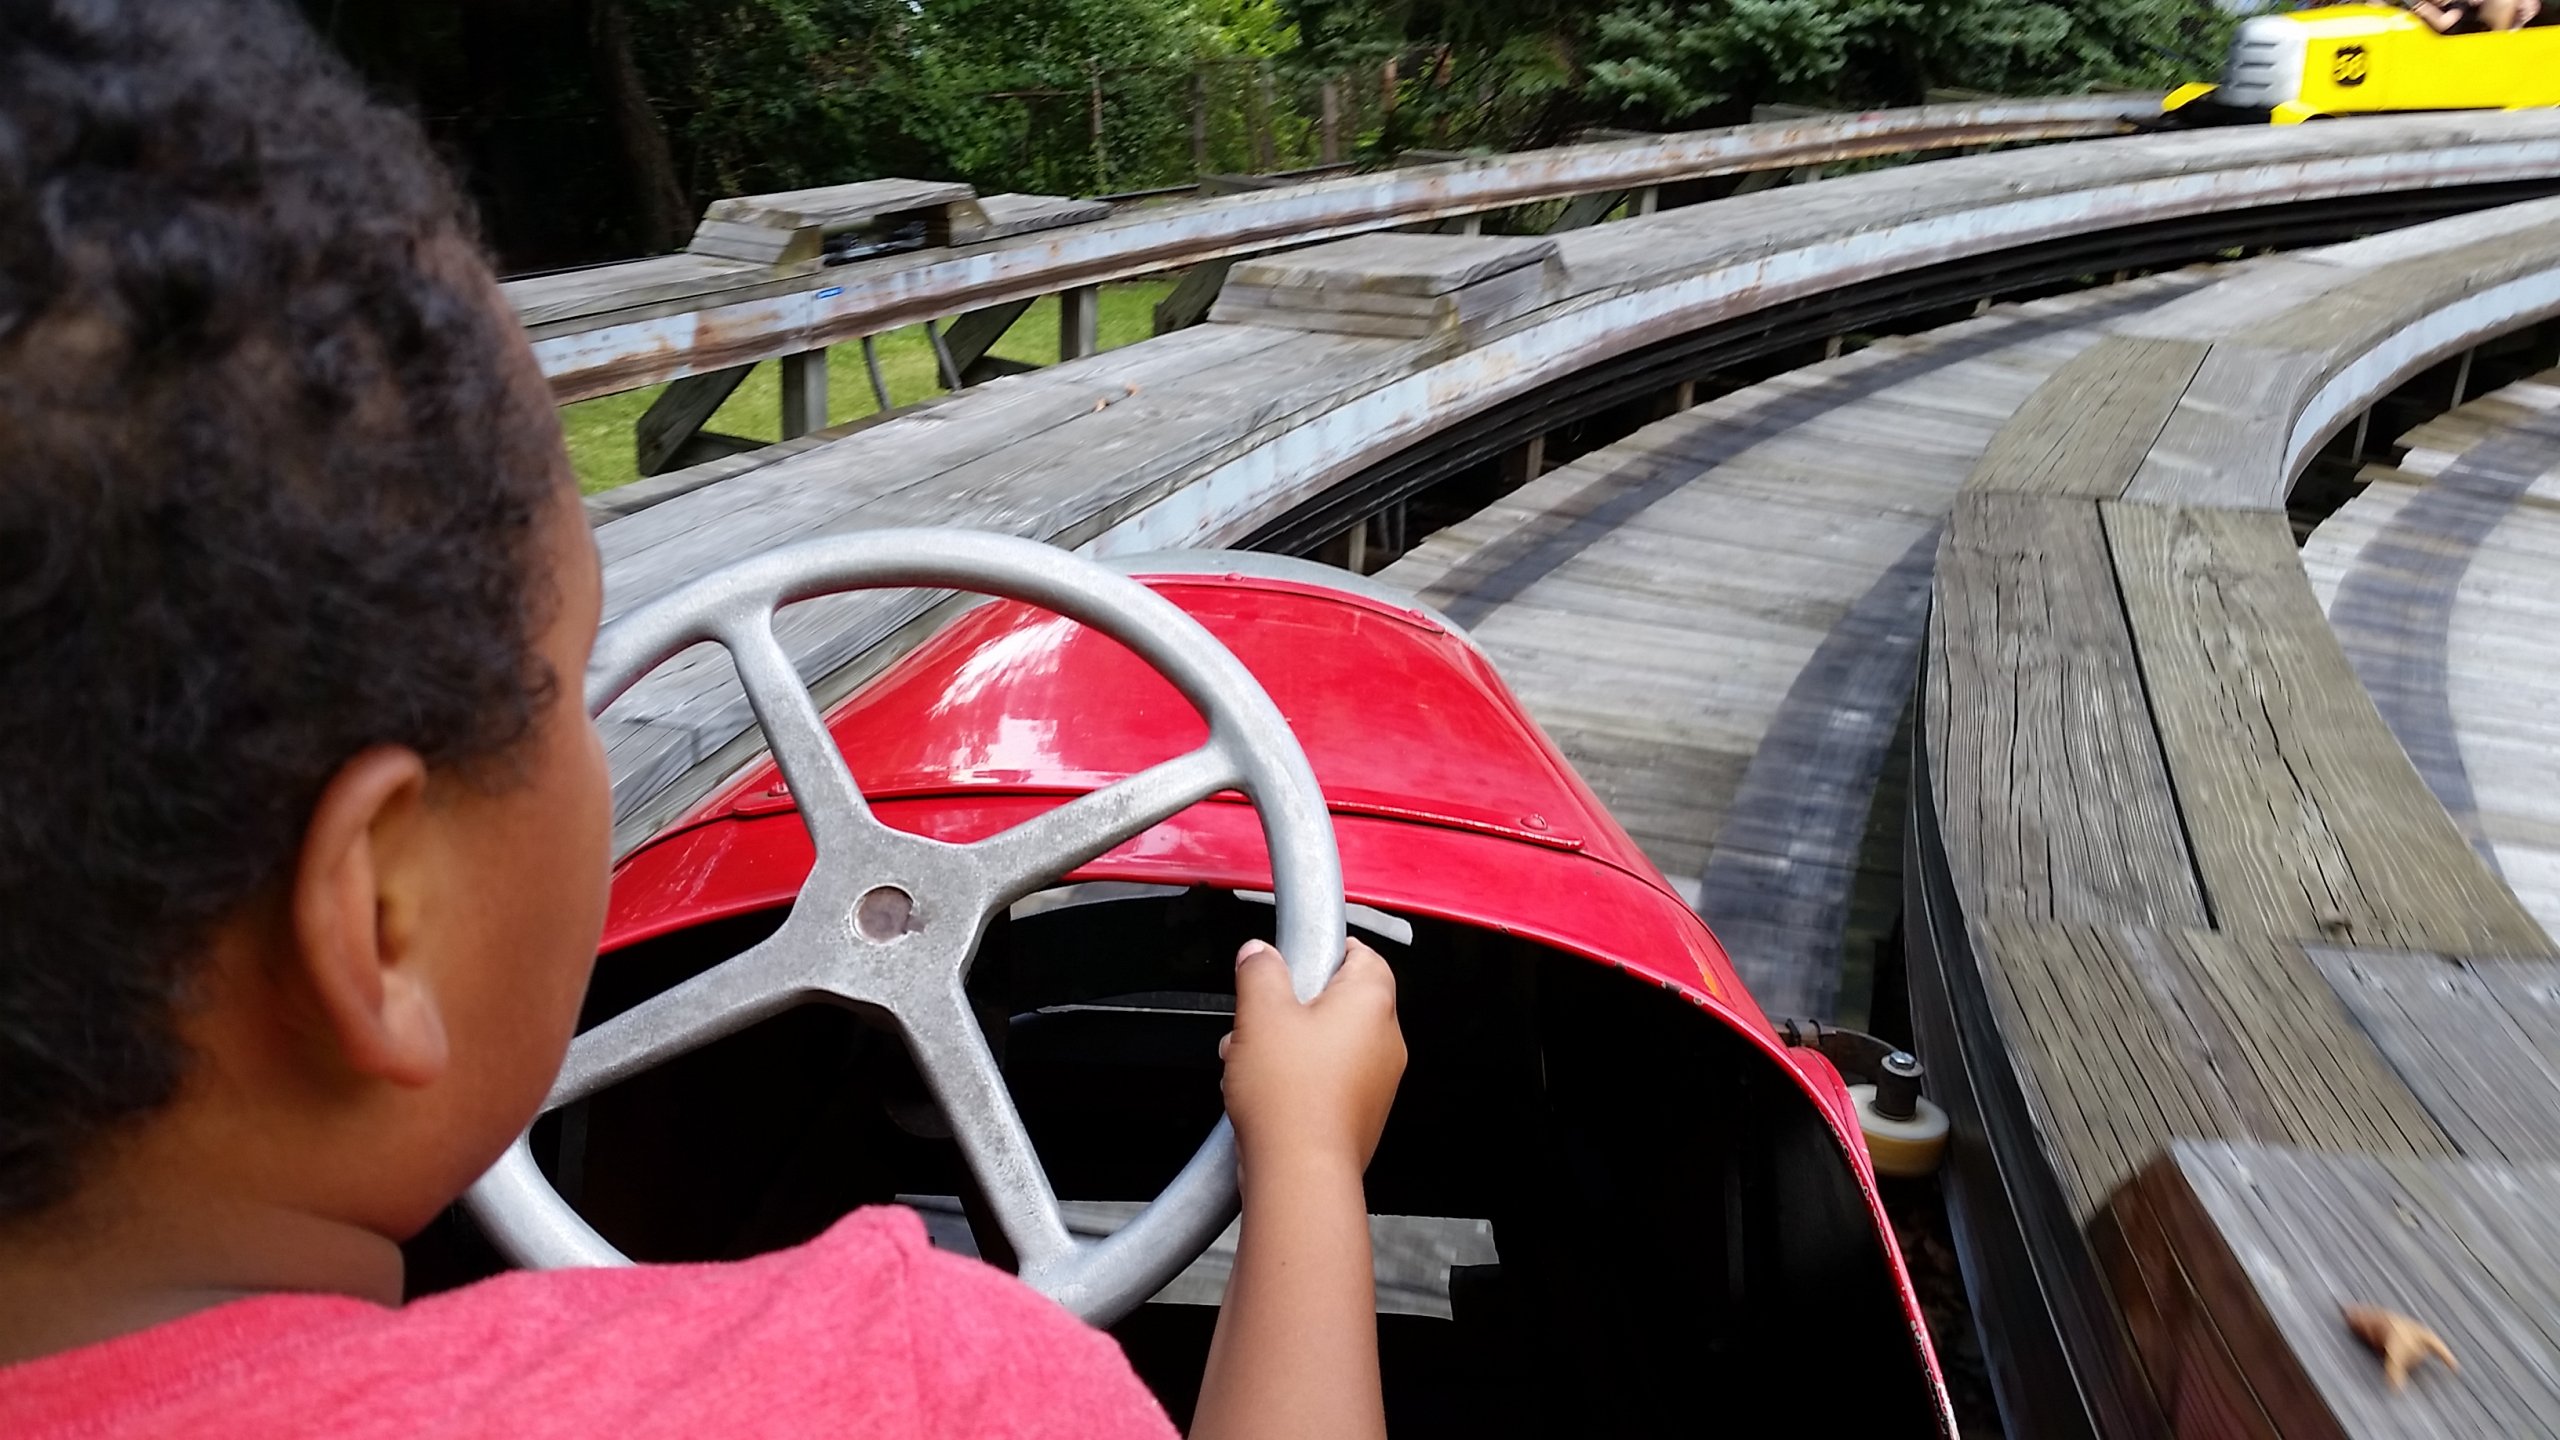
<point>801,310</point>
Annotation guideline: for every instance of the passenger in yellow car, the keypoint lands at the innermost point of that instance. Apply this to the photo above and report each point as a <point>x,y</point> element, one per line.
<point>2472,17</point>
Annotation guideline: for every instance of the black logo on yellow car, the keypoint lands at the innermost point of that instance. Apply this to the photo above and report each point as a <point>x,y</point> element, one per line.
<point>2349,67</point>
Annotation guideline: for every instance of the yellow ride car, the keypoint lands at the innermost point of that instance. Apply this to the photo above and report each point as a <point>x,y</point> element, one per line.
<point>2359,59</point>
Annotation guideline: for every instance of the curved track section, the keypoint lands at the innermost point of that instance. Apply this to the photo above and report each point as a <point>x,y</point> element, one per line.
<point>1719,619</point>
<point>2181,901</point>
<point>622,326</point>
<point>2437,579</point>
<point>1148,447</point>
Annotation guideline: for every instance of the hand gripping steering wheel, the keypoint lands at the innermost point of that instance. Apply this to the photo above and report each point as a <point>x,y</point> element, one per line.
<point>890,922</point>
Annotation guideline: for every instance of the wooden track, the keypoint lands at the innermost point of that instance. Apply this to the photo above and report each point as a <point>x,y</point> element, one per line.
<point>1718,620</point>
<point>1149,447</point>
<point>2190,886</point>
<point>2438,580</point>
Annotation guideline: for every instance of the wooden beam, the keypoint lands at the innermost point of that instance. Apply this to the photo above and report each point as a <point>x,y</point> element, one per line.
<point>972,335</point>
<point>679,412</point>
<point>1193,296</point>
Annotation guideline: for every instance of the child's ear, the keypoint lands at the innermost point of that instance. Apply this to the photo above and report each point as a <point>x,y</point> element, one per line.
<point>354,907</point>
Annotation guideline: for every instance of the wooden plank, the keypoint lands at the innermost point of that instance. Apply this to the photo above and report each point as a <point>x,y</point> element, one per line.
<point>2224,445</point>
<point>603,289</point>
<point>2046,764</point>
<point>835,207</point>
<point>1396,264</point>
<point>2127,1037</point>
<point>2276,1241</point>
<point>2086,431</point>
<point>2305,818</point>
<point>2477,1041</point>
<point>1011,214</point>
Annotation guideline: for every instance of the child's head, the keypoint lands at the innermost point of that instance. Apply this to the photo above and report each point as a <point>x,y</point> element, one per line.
<point>302,829</point>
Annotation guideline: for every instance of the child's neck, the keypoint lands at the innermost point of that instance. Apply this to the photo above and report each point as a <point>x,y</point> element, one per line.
<point>117,1258</point>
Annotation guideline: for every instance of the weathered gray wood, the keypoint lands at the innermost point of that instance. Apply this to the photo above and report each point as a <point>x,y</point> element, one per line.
<point>2271,1243</point>
<point>2477,1040</point>
<point>2047,766</point>
<point>1192,296</point>
<point>772,245</point>
<point>1404,286</point>
<point>804,393</point>
<point>541,300</point>
<point>969,337</point>
<point>679,413</point>
<point>2086,431</point>
<point>1717,618</point>
<point>830,208</point>
<point>2126,1037</point>
<point>1079,322</point>
<point>1011,214</point>
<point>2306,818</point>
<point>1420,265</point>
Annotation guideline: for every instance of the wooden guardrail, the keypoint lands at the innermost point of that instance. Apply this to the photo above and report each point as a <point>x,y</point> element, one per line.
<point>619,327</point>
<point>2169,857</point>
<point>1199,437</point>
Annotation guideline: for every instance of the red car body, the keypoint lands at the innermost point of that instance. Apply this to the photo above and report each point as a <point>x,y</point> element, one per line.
<point>1447,799</point>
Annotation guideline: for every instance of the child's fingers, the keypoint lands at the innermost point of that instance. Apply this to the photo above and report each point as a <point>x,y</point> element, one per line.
<point>1364,973</point>
<point>1262,979</point>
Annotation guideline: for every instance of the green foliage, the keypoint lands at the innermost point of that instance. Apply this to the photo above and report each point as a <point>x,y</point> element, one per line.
<point>776,94</point>
<point>1504,72</point>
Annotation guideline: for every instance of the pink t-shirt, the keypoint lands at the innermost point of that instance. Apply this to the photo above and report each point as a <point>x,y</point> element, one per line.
<point>865,1331</point>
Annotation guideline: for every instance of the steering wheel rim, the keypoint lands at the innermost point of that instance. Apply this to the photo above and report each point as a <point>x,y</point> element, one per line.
<point>847,941</point>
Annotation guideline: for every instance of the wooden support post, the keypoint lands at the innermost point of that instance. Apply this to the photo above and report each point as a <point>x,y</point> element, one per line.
<point>1524,462</point>
<point>1199,120</point>
<point>1831,348</point>
<point>879,382</point>
<point>2462,377</point>
<point>804,393</point>
<point>1348,550</point>
<point>2364,431</point>
<point>1471,225</point>
<point>1647,201</point>
<point>678,414</point>
<point>942,357</point>
<point>1329,126</point>
<point>1079,322</point>
<point>1387,91</point>
<point>1684,395</point>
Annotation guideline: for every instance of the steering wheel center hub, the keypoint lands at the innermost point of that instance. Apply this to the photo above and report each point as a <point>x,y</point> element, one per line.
<point>884,913</point>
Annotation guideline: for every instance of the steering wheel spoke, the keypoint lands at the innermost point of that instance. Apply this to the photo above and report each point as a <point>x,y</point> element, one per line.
<point>822,787</point>
<point>719,1002</point>
<point>1029,856</point>
<point>942,1034</point>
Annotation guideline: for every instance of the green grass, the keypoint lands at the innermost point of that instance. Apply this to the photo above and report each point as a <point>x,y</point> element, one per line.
<point>599,430</point>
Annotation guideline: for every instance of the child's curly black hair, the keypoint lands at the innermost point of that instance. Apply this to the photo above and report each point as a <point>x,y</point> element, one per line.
<point>267,497</point>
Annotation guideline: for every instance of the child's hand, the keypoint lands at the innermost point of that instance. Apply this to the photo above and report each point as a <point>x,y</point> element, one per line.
<point>1312,1082</point>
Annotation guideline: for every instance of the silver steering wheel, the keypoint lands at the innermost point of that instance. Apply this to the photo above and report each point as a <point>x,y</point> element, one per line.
<point>890,922</point>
